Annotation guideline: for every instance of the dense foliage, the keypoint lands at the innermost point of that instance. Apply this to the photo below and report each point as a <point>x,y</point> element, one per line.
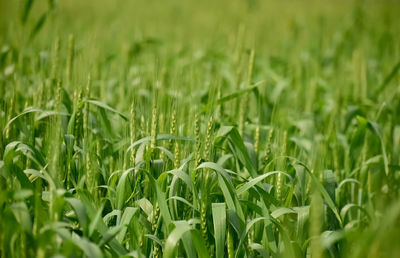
<point>199,128</point>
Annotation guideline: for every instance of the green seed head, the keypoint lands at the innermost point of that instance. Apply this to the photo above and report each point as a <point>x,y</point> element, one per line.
<point>207,149</point>
<point>257,139</point>
<point>154,126</point>
<point>133,132</point>
<point>56,57</point>
<point>268,146</point>
<point>70,58</point>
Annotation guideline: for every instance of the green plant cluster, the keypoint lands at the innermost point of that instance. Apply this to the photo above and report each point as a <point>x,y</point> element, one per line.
<point>199,128</point>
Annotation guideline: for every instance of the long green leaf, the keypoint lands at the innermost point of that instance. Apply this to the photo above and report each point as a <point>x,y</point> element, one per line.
<point>219,220</point>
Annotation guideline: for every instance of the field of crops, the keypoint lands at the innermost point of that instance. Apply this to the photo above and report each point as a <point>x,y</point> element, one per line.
<point>240,128</point>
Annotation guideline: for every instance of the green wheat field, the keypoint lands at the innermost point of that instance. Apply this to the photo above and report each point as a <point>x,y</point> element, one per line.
<point>182,128</point>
